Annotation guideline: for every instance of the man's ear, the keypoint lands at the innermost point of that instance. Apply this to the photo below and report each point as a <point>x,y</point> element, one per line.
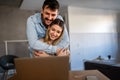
<point>41,11</point>
<point>58,13</point>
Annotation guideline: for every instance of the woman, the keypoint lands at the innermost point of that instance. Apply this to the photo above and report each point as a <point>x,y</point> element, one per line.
<point>53,36</point>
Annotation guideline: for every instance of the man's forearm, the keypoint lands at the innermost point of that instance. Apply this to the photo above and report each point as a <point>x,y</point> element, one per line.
<point>41,46</point>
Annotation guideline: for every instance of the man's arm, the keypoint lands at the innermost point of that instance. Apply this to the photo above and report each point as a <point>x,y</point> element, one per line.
<point>34,41</point>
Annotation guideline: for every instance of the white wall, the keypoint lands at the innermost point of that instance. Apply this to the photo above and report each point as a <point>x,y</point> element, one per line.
<point>83,20</point>
<point>92,34</point>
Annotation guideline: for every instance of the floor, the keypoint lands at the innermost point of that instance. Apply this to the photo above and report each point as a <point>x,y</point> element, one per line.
<point>10,73</point>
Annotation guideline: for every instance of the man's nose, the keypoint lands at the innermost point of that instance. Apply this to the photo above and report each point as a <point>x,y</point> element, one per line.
<point>49,17</point>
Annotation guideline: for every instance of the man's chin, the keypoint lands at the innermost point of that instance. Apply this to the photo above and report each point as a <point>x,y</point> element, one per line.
<point>48,23</point>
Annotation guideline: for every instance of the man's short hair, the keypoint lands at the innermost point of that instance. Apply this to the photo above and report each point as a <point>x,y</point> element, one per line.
<point>52,4</point>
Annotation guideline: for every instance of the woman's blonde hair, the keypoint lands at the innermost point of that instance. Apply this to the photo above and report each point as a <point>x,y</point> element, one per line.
<point>55,22</point>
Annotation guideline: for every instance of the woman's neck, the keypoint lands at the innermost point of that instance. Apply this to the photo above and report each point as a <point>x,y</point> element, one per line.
<point>50,42</point>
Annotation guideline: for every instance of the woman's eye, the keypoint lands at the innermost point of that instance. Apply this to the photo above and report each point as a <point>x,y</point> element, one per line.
<point>53,29</point>
<point>58,31</point>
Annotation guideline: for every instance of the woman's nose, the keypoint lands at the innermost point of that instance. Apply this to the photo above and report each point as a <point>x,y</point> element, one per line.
<point>55,33</point>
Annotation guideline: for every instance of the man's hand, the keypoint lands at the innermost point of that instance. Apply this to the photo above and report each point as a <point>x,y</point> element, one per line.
<point>40,54</point>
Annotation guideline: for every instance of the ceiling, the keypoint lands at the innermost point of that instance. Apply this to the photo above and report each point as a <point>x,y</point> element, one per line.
<point>11,3</point>
<point>36,4</point>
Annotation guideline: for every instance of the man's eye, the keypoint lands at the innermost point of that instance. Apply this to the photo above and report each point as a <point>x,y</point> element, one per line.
<point>53,14</point>
<point>47,13</point>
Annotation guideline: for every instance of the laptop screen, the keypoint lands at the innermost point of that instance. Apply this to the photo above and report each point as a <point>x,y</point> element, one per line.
<point>43,68</point>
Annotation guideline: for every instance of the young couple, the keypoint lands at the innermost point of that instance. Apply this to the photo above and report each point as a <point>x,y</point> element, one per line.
<point>47,35</point>
<point>46,32</point>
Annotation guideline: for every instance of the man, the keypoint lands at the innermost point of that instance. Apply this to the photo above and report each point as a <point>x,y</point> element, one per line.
<point>37,25</point>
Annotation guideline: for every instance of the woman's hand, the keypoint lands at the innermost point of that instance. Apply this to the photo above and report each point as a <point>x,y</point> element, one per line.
<point>63,52</point>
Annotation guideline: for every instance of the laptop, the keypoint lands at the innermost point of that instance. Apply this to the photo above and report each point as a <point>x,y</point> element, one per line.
<point>43,68</point>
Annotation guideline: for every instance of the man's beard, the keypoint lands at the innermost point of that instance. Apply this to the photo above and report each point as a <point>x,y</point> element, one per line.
<point>43,20</point>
